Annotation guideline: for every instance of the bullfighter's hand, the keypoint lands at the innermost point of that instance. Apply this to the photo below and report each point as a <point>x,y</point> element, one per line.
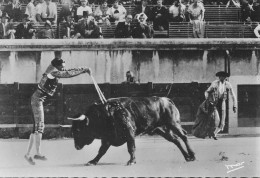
<point>88,70</point>
<point>222,125</point>
<point>235,109</point>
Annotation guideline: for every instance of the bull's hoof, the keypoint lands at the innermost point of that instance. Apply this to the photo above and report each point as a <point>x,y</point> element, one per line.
<point>129,163</point>
<point>191,158</point>
<point>91,164</point>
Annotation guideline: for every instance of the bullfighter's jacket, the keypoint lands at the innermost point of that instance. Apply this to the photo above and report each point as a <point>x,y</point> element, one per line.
<point>49,80</point>
<point>215,88</point>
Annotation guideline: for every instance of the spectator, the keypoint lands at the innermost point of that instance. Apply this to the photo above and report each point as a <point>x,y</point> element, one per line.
<point>141,29</point>
<point>143,8</point>
<point>117,12</point>
<point>47,33</point>
<point>68,9</point>
<point>257,30</point>
<point>2,28</point>
<point>68,29</point>
<point>159,16</point>
<point>100,13</point>
<point>14,11</point>
<point>124,29</point>
<point>177,12</point>
<point>25,29</point>
<point>82,8</point>
<point>31,11</point>
<point>255,16</point>
<point>46,11</point>
<point>233,3</point>
<point>130,79</point>
<point>1,13</point>
<point>246,10</point>
<point>196,15</point>
<point>86,27</point>
<point>7,29</point>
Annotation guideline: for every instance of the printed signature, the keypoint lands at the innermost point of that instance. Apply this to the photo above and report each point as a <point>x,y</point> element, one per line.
<point>234,167</point>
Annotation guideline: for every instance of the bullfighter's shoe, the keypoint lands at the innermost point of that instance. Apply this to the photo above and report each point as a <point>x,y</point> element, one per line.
<point>29,159</point>
<point>40,157</point>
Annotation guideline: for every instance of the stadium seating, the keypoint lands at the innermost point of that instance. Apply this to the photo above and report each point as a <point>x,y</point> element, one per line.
<point>220,22</point>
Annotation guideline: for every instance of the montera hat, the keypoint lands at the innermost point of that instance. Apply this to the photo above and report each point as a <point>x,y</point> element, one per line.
<point>222,74</point>
<point>57,62</point>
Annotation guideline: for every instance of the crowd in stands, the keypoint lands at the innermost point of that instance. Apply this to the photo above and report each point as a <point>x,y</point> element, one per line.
<point>84,19</point>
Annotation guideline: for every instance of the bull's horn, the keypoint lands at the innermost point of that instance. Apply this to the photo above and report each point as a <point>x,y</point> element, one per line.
<point>81,118</point>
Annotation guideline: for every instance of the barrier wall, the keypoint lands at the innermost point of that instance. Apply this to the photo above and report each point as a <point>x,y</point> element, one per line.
<point>157,61</point>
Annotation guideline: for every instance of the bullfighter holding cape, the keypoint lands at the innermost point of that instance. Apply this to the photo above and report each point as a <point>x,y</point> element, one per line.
<point>211,115</point>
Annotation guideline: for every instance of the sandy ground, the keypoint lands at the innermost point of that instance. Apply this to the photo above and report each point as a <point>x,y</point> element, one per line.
<point>232,156</point>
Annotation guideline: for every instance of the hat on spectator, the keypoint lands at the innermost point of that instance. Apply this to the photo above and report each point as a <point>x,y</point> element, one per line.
<point>25,16</point>
<point>222,74</point>
<point>103,1</point>
<point>114,1</point>
<point>47,23</point>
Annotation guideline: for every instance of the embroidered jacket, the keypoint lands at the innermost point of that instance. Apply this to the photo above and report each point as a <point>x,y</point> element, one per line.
<point>215,88</point>
<point>49,80</point>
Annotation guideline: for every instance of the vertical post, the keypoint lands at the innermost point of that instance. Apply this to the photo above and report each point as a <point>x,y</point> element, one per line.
<point>59,106</point>
<point>149,88</point>
<point>15,106</point>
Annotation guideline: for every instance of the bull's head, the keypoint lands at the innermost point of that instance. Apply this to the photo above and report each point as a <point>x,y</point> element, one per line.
<point>85,128</point>
<point>80,131</point>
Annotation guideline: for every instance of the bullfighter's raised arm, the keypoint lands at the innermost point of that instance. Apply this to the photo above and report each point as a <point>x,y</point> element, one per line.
<point>70,72</point>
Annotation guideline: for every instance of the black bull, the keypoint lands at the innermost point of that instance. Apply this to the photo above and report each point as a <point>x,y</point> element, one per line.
<point>121,119</point>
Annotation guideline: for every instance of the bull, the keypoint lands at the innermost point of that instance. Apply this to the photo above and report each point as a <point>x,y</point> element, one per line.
<point>119,120</point>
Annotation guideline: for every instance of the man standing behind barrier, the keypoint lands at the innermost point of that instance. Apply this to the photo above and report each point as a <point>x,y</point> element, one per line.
<point>220,89</point>
<point>47,87</point>
<point>196,15</point>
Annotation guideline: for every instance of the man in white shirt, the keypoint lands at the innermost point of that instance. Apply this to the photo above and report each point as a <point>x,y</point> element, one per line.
<point>83,7</point>
<point>176,11</point>
<point>117,12</point>
<point>46,11</point>
<point>257,30</point>
<point>31,11</point>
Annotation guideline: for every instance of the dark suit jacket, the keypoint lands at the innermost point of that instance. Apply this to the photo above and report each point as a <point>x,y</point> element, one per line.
<point>65,11</point>
<point>123,31</point>
<point>13,13</point>
<point>138,10</point>
<point>22,32</point>
<point>142,31</point>
<point>1,31</point>
<point>81,27</point>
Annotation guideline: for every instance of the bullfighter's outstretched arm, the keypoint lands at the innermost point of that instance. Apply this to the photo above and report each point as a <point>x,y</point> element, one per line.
<point>70,72</point>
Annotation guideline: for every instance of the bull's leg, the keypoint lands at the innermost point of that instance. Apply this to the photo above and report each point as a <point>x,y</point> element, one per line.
<point>131,149</point>
<point>168,136</point>
<point>102,150</point>
<point>179,131</point>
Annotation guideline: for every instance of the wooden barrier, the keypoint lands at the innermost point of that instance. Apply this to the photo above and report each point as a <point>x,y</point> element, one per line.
<point>16,115</point>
